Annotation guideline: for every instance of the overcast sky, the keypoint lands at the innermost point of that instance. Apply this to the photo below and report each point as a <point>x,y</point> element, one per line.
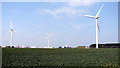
<point>62,22</point>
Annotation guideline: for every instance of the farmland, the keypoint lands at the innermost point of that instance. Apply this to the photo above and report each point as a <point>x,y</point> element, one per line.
<point>59,57</point>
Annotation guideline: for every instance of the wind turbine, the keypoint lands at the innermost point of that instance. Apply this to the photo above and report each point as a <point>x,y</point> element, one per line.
<point>48,43</point>
<point>48,37</point>
<point>97,26</point>
<point>11,33</point>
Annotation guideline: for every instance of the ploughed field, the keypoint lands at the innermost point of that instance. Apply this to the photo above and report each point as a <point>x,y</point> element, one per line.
<point>60,57</point>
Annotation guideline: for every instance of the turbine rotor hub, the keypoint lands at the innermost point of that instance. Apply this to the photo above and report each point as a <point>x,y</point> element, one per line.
<point>11,29</point>
<point>97,17</point>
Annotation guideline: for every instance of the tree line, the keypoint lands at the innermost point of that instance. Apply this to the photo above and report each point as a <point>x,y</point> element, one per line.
<point>108,45</point>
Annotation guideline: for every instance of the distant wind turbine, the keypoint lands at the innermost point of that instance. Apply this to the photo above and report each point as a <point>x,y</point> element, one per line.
<point>48,37</point>
<point>97,26</point>
<point>11,33</point>
<point>48,43</point>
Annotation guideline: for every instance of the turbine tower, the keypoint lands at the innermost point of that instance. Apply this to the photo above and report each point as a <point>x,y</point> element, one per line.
<point>11,33</point>
<point>97,26</point>
<point>48,43</point>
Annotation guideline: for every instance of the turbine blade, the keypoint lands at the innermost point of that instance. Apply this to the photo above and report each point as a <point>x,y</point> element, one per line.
<point>98,28</point>
<point>99,10</point>
<point>89,16</point>
<point>9,31</point>
<point>11,24</point>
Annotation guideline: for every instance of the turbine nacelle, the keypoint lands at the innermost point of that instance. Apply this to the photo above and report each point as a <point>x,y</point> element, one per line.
<point>11,30</point>
<point>97,17</point>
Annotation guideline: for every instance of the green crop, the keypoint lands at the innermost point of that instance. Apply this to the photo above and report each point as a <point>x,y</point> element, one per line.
<point>60,57</point>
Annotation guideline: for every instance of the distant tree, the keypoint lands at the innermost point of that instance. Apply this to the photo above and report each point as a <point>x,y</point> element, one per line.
<point>7,46</point>
<point>92,45</point>
<point>12,47</point>
<point>65,47</point>
<point>108,45</point>
<point>60,47</point>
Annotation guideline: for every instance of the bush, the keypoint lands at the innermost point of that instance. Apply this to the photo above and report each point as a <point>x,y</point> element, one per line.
<point>12,46</point>
<point>7,46</point>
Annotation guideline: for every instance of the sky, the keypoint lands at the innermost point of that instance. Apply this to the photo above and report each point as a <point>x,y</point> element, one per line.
<point>61,22</point>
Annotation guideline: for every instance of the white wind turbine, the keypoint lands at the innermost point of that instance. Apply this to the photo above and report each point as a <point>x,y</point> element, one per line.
<point>49,37</point>
<point>48,43</point>
<point>11,33</point>
<point>97,26</point>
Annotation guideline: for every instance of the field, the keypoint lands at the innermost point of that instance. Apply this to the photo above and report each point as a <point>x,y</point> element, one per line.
<point>60,57</point>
